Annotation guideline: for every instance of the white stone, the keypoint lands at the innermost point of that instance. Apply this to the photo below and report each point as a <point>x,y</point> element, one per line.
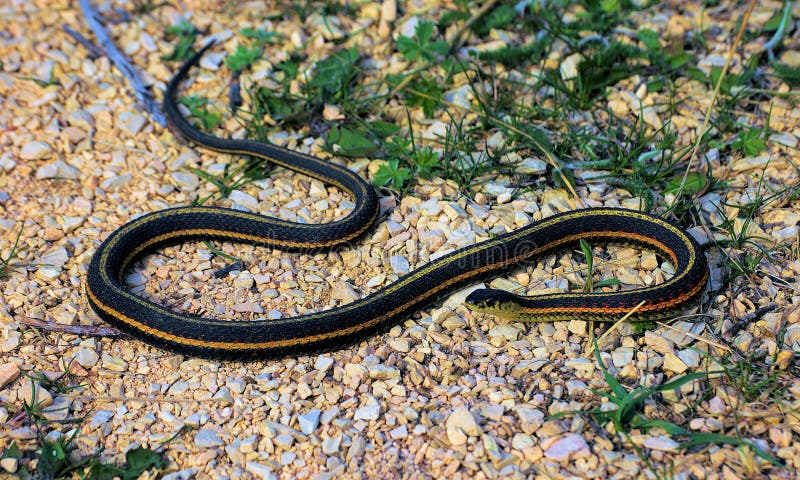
<point>10,343</point>
<point>309,421</point>
<point>223,396</point>
<point>55,258</point>
<point>399,264</point>
<point>323,363</point>
<point>399,432</point>
<point>8,373</point>
<point>34,394</point>
<point>101,417</point>
<point>331,445</point>
<point>689,357</point>
<point>35,150</point>
<point>116,183</point>
<point>408,28</point>
<point>572,445</point>
<point>462,419</point>
<point>185,181</point>
<point>368,412</point>
<point>207,438</point>
<point>186,474</point>
<point>622,356</point>
<point>344,292</point>
<point>260,470</point>
<point>665,444</point>
<point>10,465</point>
<point>503,332</point>
<point>57,169</point>
<point>493,412</point>
<point>87,357</point>
<point>532,166</point>
<point>131,122</point>
<point>212,61</point>
<point>244,200</point>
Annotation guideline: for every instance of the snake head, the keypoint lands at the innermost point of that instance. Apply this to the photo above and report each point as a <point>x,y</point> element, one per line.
<point>489,300</point>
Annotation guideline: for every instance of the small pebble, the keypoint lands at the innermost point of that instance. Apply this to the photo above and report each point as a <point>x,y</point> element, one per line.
<point>35,150</point>
<point>206,438</point>
<point>309,421</point>
<point>8,373</point>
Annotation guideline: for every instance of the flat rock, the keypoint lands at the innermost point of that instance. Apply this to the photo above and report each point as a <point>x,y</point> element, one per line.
<point>571,446</point>
<point>309,421</point>
<point>185,181</point>
<point>323,363</point>
<point>36,150</point>
<point>57,169</point>
<point>186,474</point>
<point>344,291</point>
<point>8,373</point>
<point>462,418</point>
<point>10,465</point>
<point>399,264</point>
<point>87,357</point>
<point>368,412</point>
<point>665,444</point>
<point>264,472</point>
<point>673,363</point>
<point>34,394</point>
<point>116,183</point>
<point>101,417</point>
<point>55,258</point>
<point>131,122</point>
<point>207,438</point>
<point>244,200</point>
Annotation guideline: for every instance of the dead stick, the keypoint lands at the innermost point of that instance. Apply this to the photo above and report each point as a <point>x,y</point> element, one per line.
<point>84,330</point>
<point>745,319</point>
<point>121,62</point>
<point>94,51</point>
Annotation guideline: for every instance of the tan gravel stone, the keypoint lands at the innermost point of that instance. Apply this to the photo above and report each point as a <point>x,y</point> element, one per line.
<point>8,373</point>
<point>36,150</point>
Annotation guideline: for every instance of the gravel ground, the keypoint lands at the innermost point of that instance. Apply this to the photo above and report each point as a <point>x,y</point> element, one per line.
<point>445,394</point>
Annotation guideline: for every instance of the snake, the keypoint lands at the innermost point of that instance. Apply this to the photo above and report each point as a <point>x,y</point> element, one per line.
<point>346,324</point>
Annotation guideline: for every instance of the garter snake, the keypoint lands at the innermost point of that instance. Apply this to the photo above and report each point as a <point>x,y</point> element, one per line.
<point>342,325</point>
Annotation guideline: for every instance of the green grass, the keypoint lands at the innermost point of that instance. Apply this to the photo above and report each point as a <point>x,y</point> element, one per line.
<point>520,93</point>
<point>55,455</point>
<point>244,57</point>
<point>183,34</point>
<point>629,414</point>
<point>7,264</point>
<point>198,107</point>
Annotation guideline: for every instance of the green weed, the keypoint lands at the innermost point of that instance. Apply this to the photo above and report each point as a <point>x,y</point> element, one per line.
<point>55,455</point>
<point>750,141</point>
<point>590,284</point>
<point>421,48</point>
<point>629,415</point>
<point>242,58</point>
<point>184,34</point>
<point>198,107</point>
<point>7,263</point>
<point>261,37</point>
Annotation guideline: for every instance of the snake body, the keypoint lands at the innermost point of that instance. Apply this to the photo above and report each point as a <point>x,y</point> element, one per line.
<point>341,326</point>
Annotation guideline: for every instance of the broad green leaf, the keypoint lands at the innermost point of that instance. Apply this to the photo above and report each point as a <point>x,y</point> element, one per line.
<point>141,459</point>
<point>649,38</point>
<point>392,174</point>
<point>351,143</point>
<point>695,182</point>
<point>333,73</point>
<point>383,129</point>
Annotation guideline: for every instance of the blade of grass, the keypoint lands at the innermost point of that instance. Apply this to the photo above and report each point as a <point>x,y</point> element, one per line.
<point>707,119</point>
